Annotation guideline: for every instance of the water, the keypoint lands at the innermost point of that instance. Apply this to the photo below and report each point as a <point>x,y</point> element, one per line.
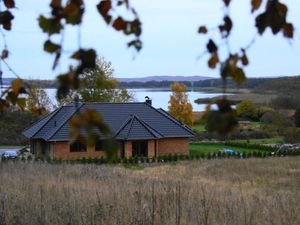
<point>160,97</point>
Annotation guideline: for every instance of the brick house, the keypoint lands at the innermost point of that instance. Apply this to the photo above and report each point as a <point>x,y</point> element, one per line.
<point>139,129</point>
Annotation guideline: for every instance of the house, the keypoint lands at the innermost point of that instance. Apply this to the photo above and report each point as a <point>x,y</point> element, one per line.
<point>140,130</point>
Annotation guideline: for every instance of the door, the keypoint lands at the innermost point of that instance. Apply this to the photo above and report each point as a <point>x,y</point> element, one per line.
<point>122,148</point>
<point>140,149</point>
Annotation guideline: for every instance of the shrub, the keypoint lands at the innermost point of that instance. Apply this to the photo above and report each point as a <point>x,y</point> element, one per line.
<point>297,117</point>
<point>83,160</point>
<point>175,157</point>
<point>262,110</point>
<point>292,135</point>
<point>246,109</point>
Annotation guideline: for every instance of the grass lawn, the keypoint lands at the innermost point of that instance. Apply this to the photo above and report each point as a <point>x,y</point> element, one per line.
<point>197,149</point>
<point>262,141</point>
<point>256,124</point>
<point>253,124</point>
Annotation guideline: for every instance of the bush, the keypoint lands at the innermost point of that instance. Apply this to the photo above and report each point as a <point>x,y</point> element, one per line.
<point>286,102</point>
<point>262,110</point>
<point>12,125</point>
<point>246,109</point>
<point>292,135</point>
<point>297,117</point>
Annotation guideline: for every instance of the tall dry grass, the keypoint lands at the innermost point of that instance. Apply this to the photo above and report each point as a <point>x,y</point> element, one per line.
<point>231,191</point>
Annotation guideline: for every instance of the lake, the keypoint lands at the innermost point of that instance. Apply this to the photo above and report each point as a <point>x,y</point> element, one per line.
<point>160,97</point>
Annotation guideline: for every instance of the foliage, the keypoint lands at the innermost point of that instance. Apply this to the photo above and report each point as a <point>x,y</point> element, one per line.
<point>262,110</point>
<point>292,135</point>
<point>222,120</point>
<point>286,101</point>
<point>179,105</point>
<point>12,124</point>
<point>284,85</point>
<point>276,119</point>
<point>98,85</point>
<point>246,109</point>
<point>37,100</point>
<point>297,117</point>
<point>92,123</point>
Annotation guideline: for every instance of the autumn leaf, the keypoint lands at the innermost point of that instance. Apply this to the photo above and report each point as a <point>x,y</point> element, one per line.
<point>21,102</point>
<point>50,25</point>
<point>213,61</point>
<point>288,30</point>
<point>244,59</point>
<point>103,8</point>
<point>16,85</point>
<point>5,19</point>
<point>9,4</point>
<point>137,44</point>
<point>255,5</point>
<point>226,27</point>
<point>211,46</point>
<point>238,75</point>
<point>119,24</point>
<point>226,2</point>
<point>4,54</point>
<point>202,30</point>
<point>55,4</point>
<point>51,47</point>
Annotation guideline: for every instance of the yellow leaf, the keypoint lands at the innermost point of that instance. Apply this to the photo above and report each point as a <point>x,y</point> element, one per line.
<point>4,54</point>
<point>16,85</point>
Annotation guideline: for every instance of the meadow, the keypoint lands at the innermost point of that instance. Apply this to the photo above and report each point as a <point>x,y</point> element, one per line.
<point>222,191</point>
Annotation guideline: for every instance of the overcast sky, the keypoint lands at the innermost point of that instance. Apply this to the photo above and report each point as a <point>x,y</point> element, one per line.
<point>171,42</point>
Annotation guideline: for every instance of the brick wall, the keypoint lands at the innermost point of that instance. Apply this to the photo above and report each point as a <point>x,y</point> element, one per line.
<point>128,149</point>
<point>61,150</point>
<point>151,148</point>
<point>173,146</point>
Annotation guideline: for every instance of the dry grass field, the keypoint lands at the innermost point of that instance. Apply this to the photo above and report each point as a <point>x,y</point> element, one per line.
<point>228,191</point>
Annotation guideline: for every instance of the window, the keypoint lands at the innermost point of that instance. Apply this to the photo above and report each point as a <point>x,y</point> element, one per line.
<point>99,146</point>
<point>77,147</point>
<point>140,148</point>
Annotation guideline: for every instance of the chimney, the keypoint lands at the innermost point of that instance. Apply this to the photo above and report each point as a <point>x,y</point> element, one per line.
<point>148,100</point>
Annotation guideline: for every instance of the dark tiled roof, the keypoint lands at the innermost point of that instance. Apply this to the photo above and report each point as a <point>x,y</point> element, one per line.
<point>127,121</point>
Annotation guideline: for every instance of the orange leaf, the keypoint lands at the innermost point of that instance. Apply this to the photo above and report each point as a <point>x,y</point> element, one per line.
<point>9,4</point>
<point>202,30</point>
<point>288,30</point>
<point>119,24</point>
<point>213,61</point>
<point>245,60</point>
<point>255,4</point>
<point>104,7</point>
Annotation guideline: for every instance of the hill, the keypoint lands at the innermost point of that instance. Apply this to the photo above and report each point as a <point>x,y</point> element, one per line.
<point>164,78</point>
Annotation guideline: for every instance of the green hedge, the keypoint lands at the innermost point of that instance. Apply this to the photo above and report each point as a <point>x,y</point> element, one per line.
<point>252,146</point>
<point>170,158</point>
